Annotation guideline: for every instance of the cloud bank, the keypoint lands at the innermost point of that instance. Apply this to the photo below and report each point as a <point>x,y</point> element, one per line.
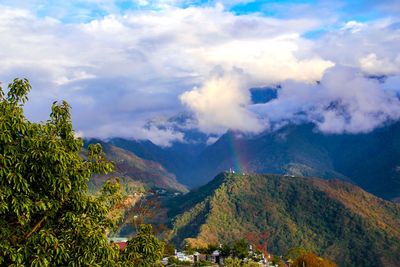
<point>121,68</point>
<point>345,100</point>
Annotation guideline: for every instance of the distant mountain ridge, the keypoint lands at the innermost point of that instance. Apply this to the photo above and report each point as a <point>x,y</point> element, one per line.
<point>370,160</point>
<point>334,218</point>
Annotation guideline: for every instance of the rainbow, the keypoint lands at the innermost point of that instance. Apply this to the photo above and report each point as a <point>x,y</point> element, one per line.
<point>236,157</point>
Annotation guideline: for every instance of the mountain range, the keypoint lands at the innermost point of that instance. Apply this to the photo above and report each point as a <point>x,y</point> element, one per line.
<point>342,215</point>
<point>369,160</point>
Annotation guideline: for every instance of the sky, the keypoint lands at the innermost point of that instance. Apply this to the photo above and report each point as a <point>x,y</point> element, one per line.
<point>124,63</point>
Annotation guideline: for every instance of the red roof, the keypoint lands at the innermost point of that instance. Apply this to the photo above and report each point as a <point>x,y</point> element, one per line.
<point>121,245</point>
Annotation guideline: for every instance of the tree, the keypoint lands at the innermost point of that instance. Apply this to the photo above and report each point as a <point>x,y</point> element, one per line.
<point>144,249</point>
<point>225,250</point>
<point>232,262</point>
<point>47,216</point>
<point>295,253</point>
<point>312,260</point>
<point>240,248</point>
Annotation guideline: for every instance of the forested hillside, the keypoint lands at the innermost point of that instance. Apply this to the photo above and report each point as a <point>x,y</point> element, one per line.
<point>334,218</point>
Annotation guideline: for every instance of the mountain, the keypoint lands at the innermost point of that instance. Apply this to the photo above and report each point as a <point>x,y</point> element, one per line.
<point>290,150</point>
<point>370,160</point>
<point>135,172</point>
<point>177,159</point>
<point>334,218</point>
<point>264,94</point>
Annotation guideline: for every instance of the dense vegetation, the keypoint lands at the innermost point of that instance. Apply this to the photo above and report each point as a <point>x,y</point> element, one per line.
<point>47,217</point>
<point>333,218</point>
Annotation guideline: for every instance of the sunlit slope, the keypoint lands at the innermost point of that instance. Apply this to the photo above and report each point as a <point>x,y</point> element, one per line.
<point>334,218</point>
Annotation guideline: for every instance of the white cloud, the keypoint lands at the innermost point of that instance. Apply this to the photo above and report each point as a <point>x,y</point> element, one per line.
<point>386,66</point>
<point>373,47</point>
<point>120,70</point>
<point>221,104</point>
<point>124,67</point>
<point>135,130</point>
<point>344,101</point>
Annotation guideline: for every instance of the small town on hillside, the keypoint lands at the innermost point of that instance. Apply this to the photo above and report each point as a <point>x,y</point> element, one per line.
<point>215,257</point>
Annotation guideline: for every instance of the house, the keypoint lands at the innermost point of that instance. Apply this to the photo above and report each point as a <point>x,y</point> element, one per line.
<point>181,256</point>
<point>216,257</point>
<point>120,241</point>
<point>199,257</point>
<point>196,257</point>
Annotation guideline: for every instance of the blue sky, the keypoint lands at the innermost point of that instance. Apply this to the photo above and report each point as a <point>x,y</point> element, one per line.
<point>123,64</point>
<point>77,11</point>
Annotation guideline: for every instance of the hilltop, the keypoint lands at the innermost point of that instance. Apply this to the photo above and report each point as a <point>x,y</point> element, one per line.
<point>334,218</point>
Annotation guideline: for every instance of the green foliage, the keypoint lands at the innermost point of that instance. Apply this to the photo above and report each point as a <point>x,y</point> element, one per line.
<point>47,217</point>
<point>226,250</point>
<point>203,263</point>
<point>144,249</point>
<point>176,262</point>
<point>189,250</point>
<point>240,249</point>
<point>295,253</point>
<point>169,249</point>
<point>235,262</point>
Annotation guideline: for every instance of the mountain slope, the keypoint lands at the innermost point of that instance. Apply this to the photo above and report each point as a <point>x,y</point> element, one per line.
<point>372,160</point>
<point>136,172</point>
<point>177,159</point>
<point>334,218</point>
<point>292,150</point>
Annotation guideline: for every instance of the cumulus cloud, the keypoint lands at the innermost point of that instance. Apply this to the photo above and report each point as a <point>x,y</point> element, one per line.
<point>221,104</point>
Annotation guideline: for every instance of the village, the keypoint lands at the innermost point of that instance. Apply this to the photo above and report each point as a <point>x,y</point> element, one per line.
<point>217,256</point>
<point>215,259</point>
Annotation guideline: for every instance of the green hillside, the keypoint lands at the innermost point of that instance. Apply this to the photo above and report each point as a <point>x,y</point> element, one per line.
<point>135,172</point>
<point>333,218</point>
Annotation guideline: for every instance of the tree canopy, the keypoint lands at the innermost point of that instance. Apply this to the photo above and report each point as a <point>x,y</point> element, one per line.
<point>144,249</point>
<point>47,216</point>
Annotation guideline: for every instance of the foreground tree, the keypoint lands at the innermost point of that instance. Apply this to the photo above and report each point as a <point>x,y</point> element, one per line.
<point>144,249</point>
<point>47,217</point>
